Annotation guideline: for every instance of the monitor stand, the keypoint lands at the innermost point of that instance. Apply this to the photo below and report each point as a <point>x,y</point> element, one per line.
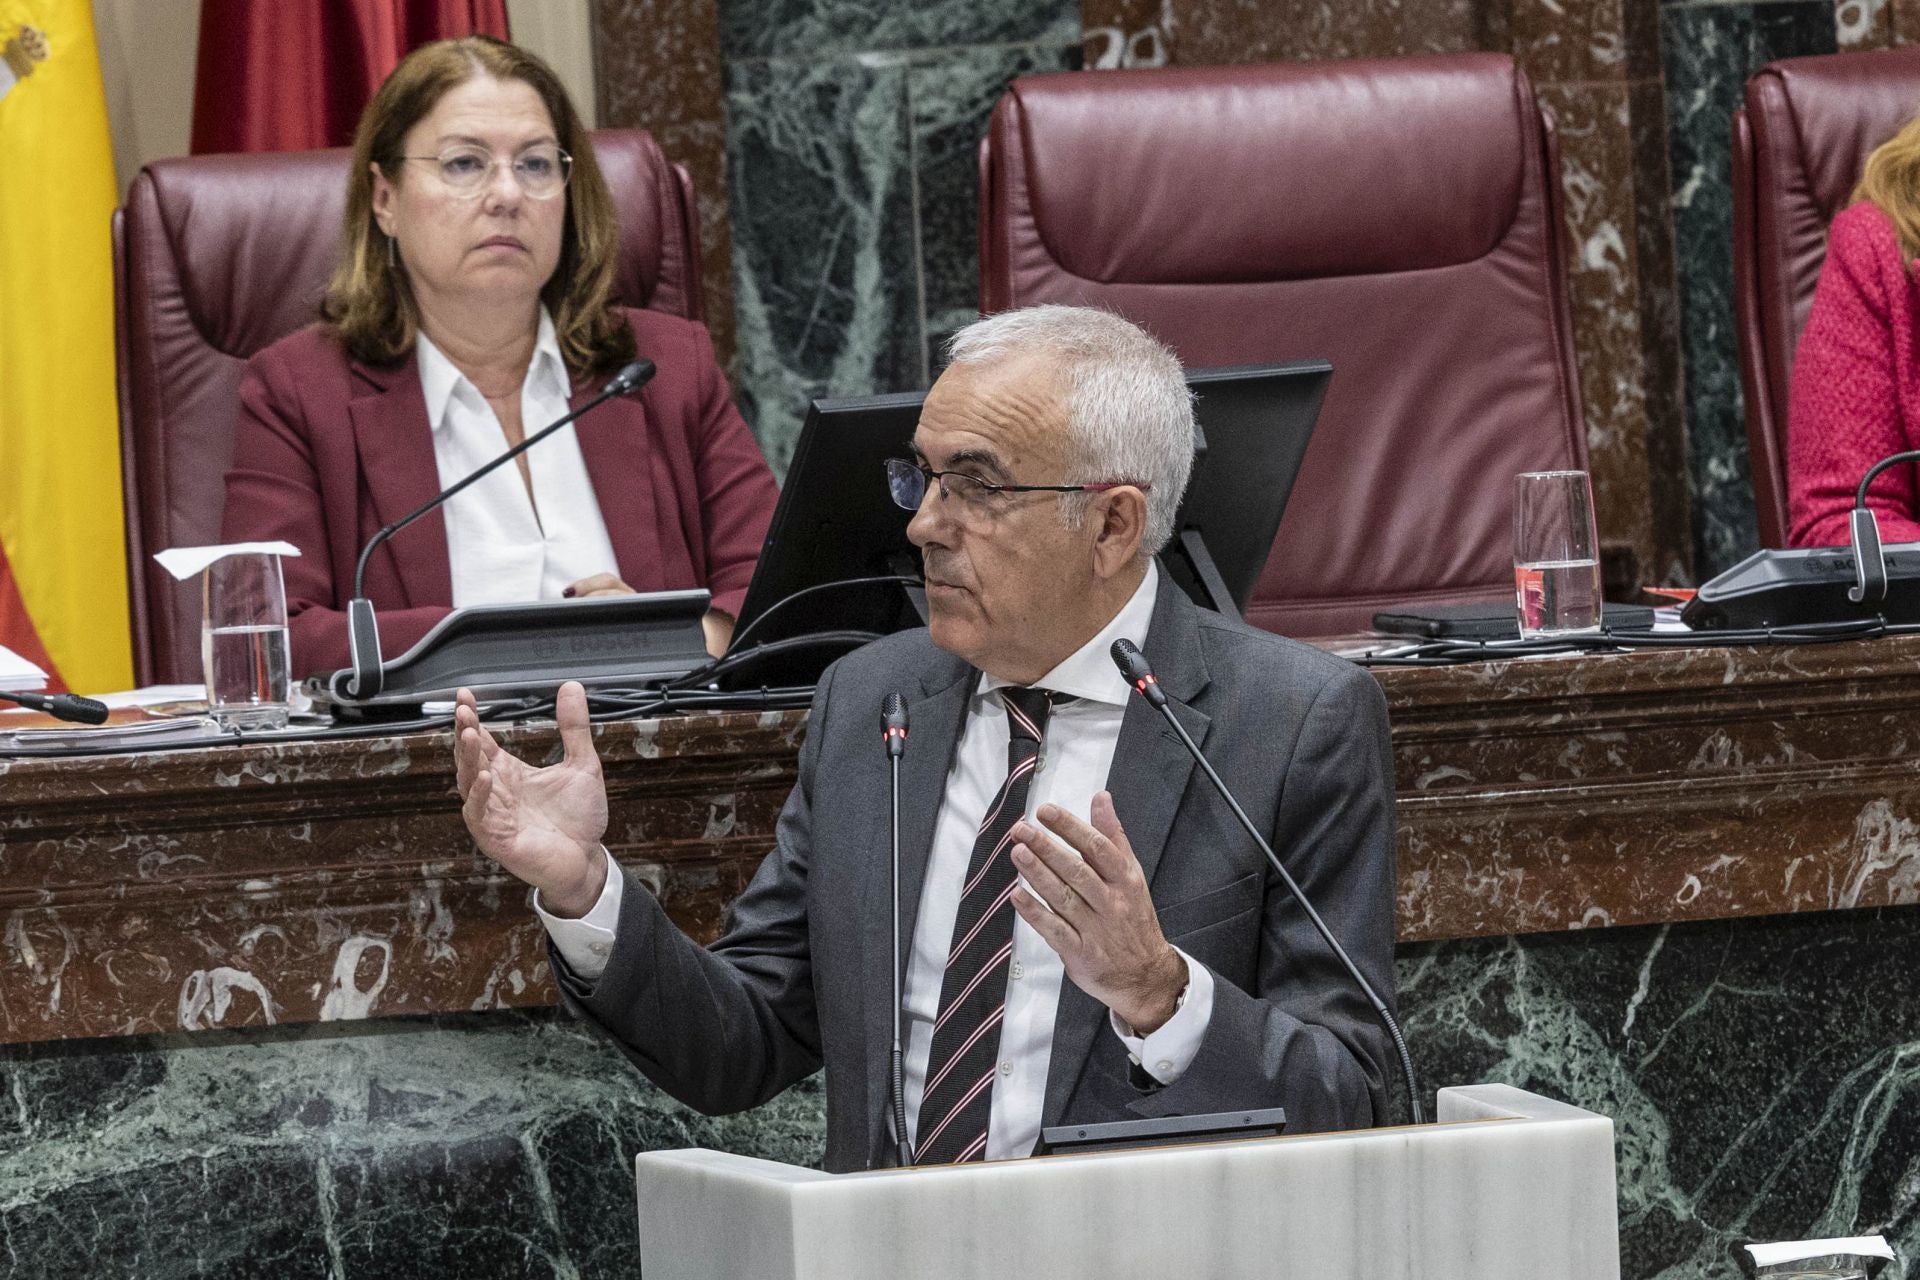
<point>1189,563</point>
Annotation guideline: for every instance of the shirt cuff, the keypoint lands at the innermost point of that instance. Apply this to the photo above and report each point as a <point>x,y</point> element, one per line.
<point>586,942</point>
<point>1169,1051</point>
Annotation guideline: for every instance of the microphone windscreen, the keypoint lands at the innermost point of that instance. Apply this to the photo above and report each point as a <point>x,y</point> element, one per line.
<point>1132,662</point>
<point>69,706</point>
<point>895,710</point>
<point>632,377</point>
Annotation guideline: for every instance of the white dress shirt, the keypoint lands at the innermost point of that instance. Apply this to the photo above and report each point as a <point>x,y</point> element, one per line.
<point>1074,763</point>
<point>503,546</point>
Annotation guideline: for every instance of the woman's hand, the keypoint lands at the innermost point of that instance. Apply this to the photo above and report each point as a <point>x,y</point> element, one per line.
<point>599,584</point>
<point>719,629</point>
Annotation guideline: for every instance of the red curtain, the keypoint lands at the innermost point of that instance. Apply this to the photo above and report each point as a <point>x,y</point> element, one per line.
<point>294,75</point>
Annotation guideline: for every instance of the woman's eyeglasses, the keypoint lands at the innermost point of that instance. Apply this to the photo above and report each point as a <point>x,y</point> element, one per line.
<point>542,171</point>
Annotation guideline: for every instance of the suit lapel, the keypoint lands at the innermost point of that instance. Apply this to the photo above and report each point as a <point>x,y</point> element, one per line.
<point>936,720</point>
<point>1148,778</point>
<point>617,447</point>
<point>395,444</point>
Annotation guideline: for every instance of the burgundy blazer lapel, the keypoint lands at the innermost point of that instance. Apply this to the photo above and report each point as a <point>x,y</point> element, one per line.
<point>395,444</point>
<point>616,443</point>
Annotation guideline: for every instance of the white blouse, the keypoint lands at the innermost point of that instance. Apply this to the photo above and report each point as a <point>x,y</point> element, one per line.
<point>505,547</point>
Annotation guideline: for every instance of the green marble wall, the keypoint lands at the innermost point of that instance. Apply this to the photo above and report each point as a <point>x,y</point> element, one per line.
<point>496,1144</point>
<point>850,167</point>
<point>1763,1075</point>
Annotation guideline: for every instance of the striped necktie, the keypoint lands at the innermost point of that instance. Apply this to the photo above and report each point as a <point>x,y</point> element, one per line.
<point>958,1097</point>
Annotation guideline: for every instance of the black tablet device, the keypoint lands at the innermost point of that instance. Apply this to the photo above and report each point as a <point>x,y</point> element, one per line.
<point>1490,621</point>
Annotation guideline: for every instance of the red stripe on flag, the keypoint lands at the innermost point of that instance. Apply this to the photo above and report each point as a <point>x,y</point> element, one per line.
<point>17,631</point>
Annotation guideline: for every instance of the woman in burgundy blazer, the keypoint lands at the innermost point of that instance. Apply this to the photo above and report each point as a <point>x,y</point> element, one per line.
<point>501,231</point>
<point>1855,396</point>
<point>329,449</point>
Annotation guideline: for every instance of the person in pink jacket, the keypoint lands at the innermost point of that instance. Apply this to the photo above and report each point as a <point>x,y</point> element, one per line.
<point>1856,377</point>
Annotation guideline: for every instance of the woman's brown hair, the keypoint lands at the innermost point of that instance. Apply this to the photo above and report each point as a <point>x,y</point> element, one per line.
<point>1891,180</point>
<point>369,300</point>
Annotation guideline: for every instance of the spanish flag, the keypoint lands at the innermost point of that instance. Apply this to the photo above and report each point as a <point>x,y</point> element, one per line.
<point>63,586</point>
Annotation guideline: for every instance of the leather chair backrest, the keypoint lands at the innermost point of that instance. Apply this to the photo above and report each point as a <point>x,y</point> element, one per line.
<point>216,257</point>
<point>1398,217</point>
<point>1798,149</point>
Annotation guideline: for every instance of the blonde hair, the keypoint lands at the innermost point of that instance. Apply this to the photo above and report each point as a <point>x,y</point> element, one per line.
<point>1891,180</point>
<point>369,300</point>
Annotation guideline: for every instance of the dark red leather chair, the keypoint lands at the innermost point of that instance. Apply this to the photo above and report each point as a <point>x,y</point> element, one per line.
<point>1798,148</point>
<point>218,256</point>
<point>1398,217</point>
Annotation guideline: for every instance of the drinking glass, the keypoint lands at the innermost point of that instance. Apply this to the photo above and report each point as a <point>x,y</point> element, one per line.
<point>243,641</point>
<point>1556,554</point>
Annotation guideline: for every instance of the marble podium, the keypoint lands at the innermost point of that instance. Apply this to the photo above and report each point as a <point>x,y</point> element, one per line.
<point>1507,1186</point>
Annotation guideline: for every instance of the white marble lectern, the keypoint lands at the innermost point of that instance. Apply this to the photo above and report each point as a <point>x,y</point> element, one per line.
<point>1507,1185</point>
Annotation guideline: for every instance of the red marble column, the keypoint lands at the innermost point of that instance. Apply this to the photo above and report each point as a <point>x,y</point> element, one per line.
<point>659,68</point>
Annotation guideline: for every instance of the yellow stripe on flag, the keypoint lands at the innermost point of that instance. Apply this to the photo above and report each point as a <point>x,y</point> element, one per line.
<point>60,516</point>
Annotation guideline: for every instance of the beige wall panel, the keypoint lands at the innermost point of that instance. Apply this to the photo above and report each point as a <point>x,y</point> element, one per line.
<point>147,50</point>
<point>561,32</point>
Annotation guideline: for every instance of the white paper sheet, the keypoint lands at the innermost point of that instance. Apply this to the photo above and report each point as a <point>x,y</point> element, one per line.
<point>19,675</point>
<point>184,562</point>
<point>1773,1254</point>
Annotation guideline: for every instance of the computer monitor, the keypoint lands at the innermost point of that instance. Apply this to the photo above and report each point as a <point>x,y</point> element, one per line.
<point>836,521</point>
<point>1254,423</point>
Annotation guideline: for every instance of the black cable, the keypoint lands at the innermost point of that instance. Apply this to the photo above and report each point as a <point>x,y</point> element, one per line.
<point>740,637</point>
<point>732,661</point>
<point>1450,652</point>
<point>778,698</point>
<point>1873,473</point>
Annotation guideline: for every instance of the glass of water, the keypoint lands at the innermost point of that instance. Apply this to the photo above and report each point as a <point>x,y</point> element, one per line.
<point>243,641</point>
<point>1556,554</point>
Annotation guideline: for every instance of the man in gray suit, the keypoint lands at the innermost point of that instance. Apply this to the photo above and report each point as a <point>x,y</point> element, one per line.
<point>1090,934</point>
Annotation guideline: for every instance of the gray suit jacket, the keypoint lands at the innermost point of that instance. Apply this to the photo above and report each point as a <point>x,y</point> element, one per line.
<point>800,978</point>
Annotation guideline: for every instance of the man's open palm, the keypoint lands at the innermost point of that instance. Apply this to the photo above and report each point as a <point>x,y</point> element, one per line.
<point>543,825</point>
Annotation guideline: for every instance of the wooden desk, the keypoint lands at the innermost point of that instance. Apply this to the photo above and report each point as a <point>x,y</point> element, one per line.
<point>333,880</point>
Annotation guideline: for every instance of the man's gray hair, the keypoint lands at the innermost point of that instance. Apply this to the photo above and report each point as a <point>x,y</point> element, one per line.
<point>1129,413</point>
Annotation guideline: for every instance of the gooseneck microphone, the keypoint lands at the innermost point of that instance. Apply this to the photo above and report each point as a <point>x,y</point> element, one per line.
<point>894,734</point>
<point>363,632</point>
<point>1869,563</point>
<point>61,706</point>
<point>1134,666</point>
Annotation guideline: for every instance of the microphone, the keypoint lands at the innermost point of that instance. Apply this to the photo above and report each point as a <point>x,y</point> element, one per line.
<point>1863,532</point>
<point>893,732</point>
<point>363,632</point>
<point>1134,666</point>
<point>61,706</point>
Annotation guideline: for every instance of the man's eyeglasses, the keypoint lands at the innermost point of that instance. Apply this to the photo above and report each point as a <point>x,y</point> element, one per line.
<point>908,481</point>
<point>466,172</point>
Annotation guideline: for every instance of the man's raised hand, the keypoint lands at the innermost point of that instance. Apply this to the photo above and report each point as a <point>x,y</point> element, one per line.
<point>543,825</point>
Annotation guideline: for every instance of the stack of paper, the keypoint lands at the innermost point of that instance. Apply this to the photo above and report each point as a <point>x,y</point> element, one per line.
<point>19,675</point>
<point>126,729</point>
<point>151,717</point>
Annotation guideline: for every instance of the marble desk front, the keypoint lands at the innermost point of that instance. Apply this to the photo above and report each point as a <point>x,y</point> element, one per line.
<point>332,880</point>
